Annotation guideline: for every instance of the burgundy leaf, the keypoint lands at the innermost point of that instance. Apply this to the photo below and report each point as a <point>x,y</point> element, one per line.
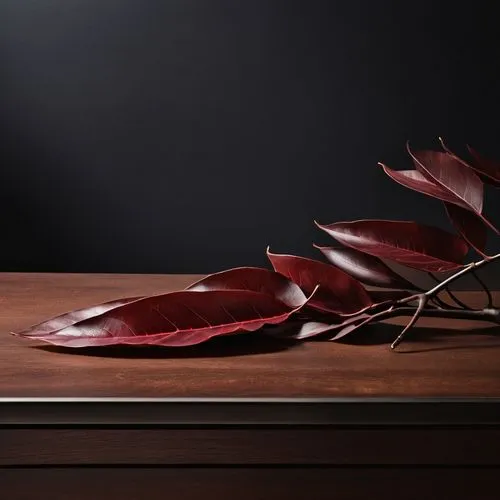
<point>488,169</point>
<point>469,226</point>
<point>254,279</point>
<point>312,329</point>
<point>350,327</point>
<point>338,292</point>
<point>413,179</point>
<point>175,319</point>
<point>449,173</point>
<point>365,268</point>
<point>298,330</point>
<point>70,318</point>
<point>415,245</point>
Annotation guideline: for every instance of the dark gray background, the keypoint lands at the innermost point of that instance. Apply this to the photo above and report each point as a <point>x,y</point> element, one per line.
<point>187,135</point>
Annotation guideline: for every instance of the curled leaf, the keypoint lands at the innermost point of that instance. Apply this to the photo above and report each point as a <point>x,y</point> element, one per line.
<point>350,327</point>
<point>469,226</point>
<point>414,245</point>
<point>366,268</point>
<point>449,172</point>
<point>254,279</point>
<point>174,319</point>
<point>338,292</point>
<point>298,330</point>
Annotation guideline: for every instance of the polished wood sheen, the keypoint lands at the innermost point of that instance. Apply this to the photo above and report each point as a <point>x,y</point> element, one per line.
<point>244,416</point>
<point>441,359</point>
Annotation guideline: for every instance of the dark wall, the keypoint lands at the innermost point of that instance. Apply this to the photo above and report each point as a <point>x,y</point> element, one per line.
<point>187,135</point>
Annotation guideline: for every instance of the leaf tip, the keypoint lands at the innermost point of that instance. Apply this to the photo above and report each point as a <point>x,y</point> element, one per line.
<point>443,145</point>
<point>316,288</point>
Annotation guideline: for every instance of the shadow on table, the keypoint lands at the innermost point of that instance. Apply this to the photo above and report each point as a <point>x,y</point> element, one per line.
<point>234,345</point>
<point>418,340</point>
<point>422,339</point>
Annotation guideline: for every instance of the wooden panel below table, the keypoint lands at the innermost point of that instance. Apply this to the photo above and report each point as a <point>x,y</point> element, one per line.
<point>389,446</point>
<point>250,483</point>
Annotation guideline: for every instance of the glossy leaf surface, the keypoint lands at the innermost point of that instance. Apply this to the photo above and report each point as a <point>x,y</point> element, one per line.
<point>70,318</point>
<point>350,327</point>
<point>487,170</point>
<point>364,267</point>
<point>338,292</point>
<point>254,279</point>
<point>297,330</point>
<point>468,224</point>
<point>451,175</point>
<point>415,245</point>
<point>415,180</point>
<point>175,319</point>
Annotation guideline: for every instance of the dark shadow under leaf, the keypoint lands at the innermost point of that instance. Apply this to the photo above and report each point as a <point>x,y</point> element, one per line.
<point>244,344</point>
<point>385,333</point>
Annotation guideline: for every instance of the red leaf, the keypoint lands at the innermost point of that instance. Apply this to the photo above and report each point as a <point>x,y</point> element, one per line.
<point>350,327</point>
<point>312,329</point>
<point>469,226</point>
<point>467,223</point>
<point>338,292</point>
<point>365,268</point>
<point>488,169</point>
<point>413,179</point>
<point>415,245</point>
<point>299,330</point>
<point>175,319</point>
<point>70,318</point>
<point>254,279</point>
<point>449,173</point>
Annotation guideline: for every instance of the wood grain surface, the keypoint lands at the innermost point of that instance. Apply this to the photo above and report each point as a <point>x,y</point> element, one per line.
<point>441,358</point>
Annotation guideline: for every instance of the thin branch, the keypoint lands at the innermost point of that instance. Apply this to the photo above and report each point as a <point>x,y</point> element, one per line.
<point>449,292</point>
<point>485,288</point>
<point>424,298</point>
<point>468,268</point>
<point>441,286</point>
<point>489,315</point>
<point>421,304</point>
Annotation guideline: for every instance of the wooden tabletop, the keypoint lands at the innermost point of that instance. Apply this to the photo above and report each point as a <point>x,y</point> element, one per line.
<point>442,359</point>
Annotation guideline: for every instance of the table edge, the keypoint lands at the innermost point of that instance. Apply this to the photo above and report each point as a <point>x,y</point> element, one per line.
<point>227,412</point>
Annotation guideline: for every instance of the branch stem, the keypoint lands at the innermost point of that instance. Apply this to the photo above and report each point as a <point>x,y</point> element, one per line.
<point>425,297</point>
